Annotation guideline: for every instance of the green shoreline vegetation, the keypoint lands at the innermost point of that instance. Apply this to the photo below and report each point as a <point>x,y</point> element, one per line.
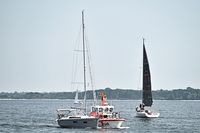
<point>112,94</point>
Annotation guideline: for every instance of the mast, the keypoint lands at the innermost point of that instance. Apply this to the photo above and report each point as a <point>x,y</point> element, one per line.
<point>84,62</point>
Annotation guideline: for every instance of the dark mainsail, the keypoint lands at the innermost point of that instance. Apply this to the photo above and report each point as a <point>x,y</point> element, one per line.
<point>147,95</point>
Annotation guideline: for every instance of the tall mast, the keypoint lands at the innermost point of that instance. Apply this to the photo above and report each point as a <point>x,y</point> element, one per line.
<point>84,62</point>
<point>143,68</point>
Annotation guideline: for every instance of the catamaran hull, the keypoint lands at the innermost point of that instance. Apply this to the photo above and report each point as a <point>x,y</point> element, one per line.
<point>111,123</point>
<point>147,115</point>
<point>78,123</point>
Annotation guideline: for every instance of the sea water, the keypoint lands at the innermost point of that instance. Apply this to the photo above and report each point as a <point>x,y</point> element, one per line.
<point>26,116</point>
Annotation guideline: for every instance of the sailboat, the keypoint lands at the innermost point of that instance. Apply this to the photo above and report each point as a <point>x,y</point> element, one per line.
<point>76,100</point>
<point>147,99</point>
<point>76,117</point>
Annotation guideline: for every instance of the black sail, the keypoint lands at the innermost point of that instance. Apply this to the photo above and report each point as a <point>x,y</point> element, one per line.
<point>147,95</point>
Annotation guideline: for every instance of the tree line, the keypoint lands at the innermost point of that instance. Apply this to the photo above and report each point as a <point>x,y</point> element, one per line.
<point>120,94</point>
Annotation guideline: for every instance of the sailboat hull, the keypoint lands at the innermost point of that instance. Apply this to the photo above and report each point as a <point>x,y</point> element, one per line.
<point>78,122</point>
<point>143,114</point>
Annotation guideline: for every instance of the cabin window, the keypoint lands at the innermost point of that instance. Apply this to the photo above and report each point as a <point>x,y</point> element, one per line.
<point>93,109</point>
<point>111,109</point>
<point>106,110</point>
<point>74,121</point>
<point>85,122</point>
<point>100,109</point>
<point>105,116</point>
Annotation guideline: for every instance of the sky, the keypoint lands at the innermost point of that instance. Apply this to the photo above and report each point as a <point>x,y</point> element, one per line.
<point>38,37</point>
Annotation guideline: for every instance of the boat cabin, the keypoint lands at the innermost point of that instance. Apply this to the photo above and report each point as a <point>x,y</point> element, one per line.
<point>102,110</point>
<point>69,113</point>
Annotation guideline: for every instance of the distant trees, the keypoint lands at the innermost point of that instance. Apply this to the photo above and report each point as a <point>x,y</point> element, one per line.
<point>121,94</point>
<point>178,94</point>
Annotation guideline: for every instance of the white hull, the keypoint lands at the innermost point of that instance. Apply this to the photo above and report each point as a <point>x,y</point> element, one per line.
<point>78,122</point>
<point>143,114</point>
<point>111,123</point>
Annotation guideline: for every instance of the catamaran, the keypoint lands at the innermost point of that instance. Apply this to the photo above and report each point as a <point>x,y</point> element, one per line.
<point>76,117</point>
<point>147,100</point>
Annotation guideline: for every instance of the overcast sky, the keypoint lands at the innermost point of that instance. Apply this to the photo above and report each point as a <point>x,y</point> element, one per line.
<point>37,39</point>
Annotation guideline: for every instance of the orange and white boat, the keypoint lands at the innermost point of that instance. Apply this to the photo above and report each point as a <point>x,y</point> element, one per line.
<point>105,112</point>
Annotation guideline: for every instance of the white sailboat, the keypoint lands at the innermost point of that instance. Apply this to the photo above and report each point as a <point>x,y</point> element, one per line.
<point>76,100</point>
<point>76,117</point>
<point>147,100</point>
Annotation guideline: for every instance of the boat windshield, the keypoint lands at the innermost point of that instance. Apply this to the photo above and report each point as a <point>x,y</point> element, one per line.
<point>69,112</point>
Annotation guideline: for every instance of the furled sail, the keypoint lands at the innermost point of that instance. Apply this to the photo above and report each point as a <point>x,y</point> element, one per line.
<point>147,95</point>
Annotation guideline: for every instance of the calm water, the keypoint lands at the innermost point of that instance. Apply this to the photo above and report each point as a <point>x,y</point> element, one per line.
<point>39,116</point>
